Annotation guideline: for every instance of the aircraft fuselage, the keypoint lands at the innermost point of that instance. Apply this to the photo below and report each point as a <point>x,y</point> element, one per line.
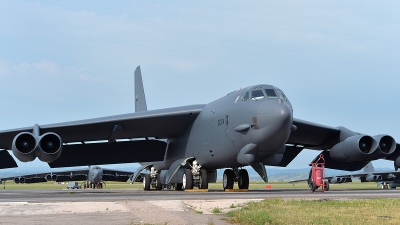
<point>232,124</point>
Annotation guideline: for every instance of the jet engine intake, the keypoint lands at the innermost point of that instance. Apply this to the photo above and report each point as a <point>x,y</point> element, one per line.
<point>354,148</point>
<point>23,147</point>
<point>19,180</point>
<point>373,178</point>
<point>336,180</point>
<point>50,147</point>
<point>27,146</point>
<point>48,177</point>
<point>386,146</point>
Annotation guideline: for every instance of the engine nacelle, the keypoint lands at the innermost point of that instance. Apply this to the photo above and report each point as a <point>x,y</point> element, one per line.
<point>49,147</point>
<point>373,178</point>
<point>354,148</point>
<point>19,180</point>
<point>386,146</point>
<point>27,146</point>
<point>23,147</point>
<point>336,180</point>
<point>50,177</point>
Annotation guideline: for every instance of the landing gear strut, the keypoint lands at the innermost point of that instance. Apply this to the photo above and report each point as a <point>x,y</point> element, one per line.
<point>195,177</point>
<point>385,185</point>
<point>152,180</point>
<point>241,176</point>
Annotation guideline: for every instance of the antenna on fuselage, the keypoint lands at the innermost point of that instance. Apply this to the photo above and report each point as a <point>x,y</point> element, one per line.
<point>140,98</point>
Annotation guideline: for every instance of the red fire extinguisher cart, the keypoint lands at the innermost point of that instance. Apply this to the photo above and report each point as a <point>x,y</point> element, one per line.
<point>317,175</point>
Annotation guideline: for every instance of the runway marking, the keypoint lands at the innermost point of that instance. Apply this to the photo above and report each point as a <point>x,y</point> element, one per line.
<point>10,203</point>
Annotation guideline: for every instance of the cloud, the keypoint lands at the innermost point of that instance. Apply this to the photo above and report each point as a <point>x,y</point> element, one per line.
<point>44,68</point>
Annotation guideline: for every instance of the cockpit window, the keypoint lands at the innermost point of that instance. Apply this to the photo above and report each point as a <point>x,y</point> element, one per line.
<point>245,97</point>
<point>270,93</point>
<point>281,95</point>
<point>257,94</point>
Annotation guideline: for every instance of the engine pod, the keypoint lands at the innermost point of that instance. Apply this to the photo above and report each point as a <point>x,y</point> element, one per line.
<point>354,148</point>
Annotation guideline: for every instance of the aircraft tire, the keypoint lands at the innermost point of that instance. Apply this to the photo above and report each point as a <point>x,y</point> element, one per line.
<point>203,179</point>
<point>313,186</point>
<point>146,182</point>
<point>227,181</point>
<point>244,179</point>
<point>326,186</point>
<point>187,180</point>
<point>158,180</point>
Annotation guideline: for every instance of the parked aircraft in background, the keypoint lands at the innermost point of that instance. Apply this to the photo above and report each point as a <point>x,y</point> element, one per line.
<point>93,176</point>
<point>385,178</point>
<point>185,145</point>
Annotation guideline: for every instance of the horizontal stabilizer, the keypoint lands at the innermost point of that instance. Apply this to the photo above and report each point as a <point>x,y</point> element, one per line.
<point>110,153</point>
<point>6,160</point>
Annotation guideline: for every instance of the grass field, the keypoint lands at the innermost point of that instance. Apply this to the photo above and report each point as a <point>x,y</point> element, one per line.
<point>218,185</point>
<point>279,211</point>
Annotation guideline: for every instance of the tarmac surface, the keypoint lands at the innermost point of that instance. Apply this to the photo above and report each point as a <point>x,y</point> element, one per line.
<point>135,206</point>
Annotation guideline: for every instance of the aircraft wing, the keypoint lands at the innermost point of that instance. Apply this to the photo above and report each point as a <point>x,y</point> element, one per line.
<point>70,175</point>
<point>117,172</point>
<point>116,175</point>
<point>321,137</point>
<point>313,135</point>
<point>163,123</point>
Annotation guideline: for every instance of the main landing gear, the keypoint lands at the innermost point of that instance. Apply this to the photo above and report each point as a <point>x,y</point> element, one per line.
<point>152,180</point>
<point>88,184</point>
<point>195,177</point>
<point>235,175</point>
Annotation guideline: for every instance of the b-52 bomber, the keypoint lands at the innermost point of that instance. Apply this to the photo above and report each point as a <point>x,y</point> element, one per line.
<point>184,146</point>
<point>93,176</point>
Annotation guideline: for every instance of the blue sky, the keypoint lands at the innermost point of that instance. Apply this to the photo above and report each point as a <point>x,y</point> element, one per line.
<point>69,60</point>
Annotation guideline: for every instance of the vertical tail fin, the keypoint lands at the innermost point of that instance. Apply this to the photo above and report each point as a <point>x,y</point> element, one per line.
<point>369,168</point>
<point>140,98</point>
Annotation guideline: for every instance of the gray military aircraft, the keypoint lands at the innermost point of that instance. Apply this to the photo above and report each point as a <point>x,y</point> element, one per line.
<point>253,127</point>
<point>94,176</point>
<point>385,178</point>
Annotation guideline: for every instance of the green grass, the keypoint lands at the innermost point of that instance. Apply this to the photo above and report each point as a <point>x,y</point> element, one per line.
<point>279,211</point>
<point>216,210</point>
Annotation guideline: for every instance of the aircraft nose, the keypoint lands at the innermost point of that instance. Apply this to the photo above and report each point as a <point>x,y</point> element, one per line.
<point>275,113</point>
<point>274,122</point>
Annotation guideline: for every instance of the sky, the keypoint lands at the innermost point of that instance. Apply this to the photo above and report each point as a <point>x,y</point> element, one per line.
<point>337,62</point>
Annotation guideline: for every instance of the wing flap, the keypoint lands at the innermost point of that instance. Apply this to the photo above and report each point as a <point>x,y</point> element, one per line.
<point>6,160</point>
